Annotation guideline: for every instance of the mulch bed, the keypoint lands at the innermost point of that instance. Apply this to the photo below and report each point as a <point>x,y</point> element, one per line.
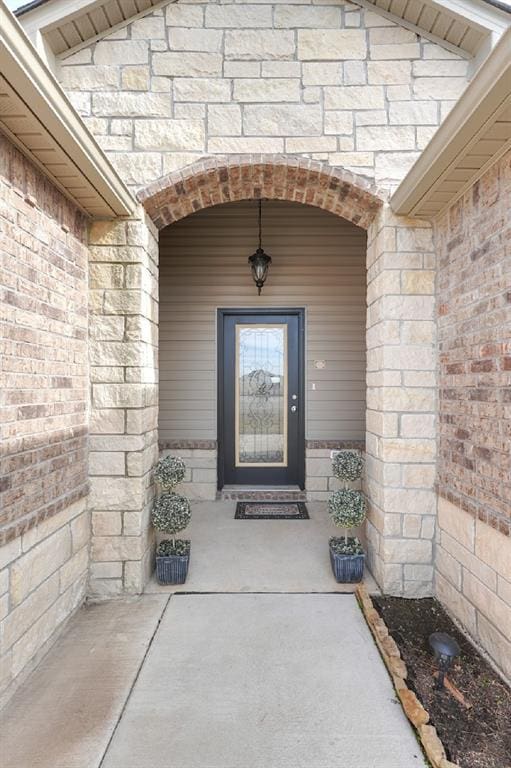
<point>479,737</point>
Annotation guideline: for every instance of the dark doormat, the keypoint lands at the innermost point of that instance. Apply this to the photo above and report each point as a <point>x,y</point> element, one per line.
<point>271,510</point>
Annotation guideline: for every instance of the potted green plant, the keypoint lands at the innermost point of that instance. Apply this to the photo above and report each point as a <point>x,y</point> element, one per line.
<point>347,509</point>
<point>171,513</point>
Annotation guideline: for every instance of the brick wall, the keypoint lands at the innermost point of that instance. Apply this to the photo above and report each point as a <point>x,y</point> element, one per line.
<point>331,81</point>
<point>474,469</point>
<point>44,530</point>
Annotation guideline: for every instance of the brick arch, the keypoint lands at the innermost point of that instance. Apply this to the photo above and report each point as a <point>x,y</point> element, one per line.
<point>215,180</point>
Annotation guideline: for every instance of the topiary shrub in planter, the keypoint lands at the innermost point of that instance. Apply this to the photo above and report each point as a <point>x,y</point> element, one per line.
<point>171,514</point>
<point>347,510</point>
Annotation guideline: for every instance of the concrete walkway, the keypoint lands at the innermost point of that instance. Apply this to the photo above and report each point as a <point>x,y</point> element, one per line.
<point>260,662</point>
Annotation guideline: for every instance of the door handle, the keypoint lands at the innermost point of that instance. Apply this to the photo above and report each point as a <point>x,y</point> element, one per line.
<point>293,409</point>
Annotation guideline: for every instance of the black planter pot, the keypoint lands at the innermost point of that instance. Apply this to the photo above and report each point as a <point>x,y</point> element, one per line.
<point>347,569</point>
<point>172,569</point>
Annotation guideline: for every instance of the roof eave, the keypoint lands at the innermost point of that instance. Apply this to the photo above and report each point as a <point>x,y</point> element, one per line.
<point>482,98</point>
<point>29,76</point>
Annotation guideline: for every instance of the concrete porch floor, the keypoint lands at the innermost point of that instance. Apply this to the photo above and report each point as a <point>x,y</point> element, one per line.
<point>252,674</point>
<point>231,555</point>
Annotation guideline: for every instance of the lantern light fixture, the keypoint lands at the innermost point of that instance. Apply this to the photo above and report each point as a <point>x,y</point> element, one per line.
<point>259,261</point>
<point>445,649</point>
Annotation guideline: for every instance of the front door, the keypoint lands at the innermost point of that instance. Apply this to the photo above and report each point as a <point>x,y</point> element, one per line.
<point>261,417</point>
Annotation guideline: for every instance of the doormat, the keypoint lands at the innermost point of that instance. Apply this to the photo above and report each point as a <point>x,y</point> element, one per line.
<point>271,510</point>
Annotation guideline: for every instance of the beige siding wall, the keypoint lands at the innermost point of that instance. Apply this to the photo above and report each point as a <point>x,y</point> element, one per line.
<point>318,263</point>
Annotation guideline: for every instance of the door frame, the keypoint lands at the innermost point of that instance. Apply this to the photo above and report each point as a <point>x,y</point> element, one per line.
<point>221,314</point>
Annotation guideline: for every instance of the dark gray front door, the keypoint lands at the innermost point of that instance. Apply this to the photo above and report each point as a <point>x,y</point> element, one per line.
<point>261,417</point>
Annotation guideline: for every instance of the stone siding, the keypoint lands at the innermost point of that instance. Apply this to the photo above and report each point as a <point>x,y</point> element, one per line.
<point>123,283</point>
<point>401,404</point>
<point>43,580</point>
<point>473,552</point>
<point>331,81</point>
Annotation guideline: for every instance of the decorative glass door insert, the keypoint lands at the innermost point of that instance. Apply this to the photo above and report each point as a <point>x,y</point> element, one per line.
<point>261,395</point>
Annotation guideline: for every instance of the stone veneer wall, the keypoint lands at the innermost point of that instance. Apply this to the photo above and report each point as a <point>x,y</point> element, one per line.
<point>473,551</point>
<point>123,283</point>
<point>44,524</point>
<point>331,81</point>
<point>401,404</point>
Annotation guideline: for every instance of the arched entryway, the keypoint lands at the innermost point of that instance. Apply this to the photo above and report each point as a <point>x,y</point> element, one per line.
<point>400,348</point>
<point>315,217</point>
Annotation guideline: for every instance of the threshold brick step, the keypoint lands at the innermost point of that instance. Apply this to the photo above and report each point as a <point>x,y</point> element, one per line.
<point>261,495</point>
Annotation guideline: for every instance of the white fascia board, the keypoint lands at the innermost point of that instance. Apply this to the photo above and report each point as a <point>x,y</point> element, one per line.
<point>36,85</point>
<point>483,96</point>
<point>479,14</point>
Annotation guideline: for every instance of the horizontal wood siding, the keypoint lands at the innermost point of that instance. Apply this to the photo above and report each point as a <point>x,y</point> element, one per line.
<point>318,263</point>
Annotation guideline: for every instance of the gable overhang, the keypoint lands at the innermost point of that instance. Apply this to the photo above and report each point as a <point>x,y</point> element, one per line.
<point>467,27</point>
<point>36,115</point>
<point>475,134</point>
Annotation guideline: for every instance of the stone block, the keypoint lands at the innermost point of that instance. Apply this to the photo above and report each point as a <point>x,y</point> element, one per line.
<point>90,78</point>
<point>322,73</point>
<point>150,28</point>
<point>389,72</point>
<point>315,44</point>
<point>496,644</point>
<point>30,570</point>
<point>259,44</point>
<point>184,15</point>
<point>224,120</point>
<point>106,463</point>
<point>458,523</point>
<point>244,68</point>
<point>181,39</point>
<point>106,570</point>
<point>111,548</point>
<point>414,113</point>
<point>24,615</point>
<point>239,17</point>
<point>354,97</point>
<point>311,144</point>
<point>285,119</point>
<point>407,551</point>
<point>437,68</point>
<point>242,145</point>
<point>386,138</point>
<point>448,566</point>
<point>80,531</point>
<point>396,51</point>
<point>169,135</point>
<point>418,425</point>
<point>355,73</point>
<point>135,78</point>
<point>116,493</point>
<point>338,122</point>
<point>487,603</point>
<point>493,548</point>
<point>115,53</point>
<point>187,64</point>
<point>408,450</point>
<point>431,87</point>
<point>106,523</point>
<point>266,89</point>
<point>279,69</point>
<point>315,17</point>
<point>392,166</point>
<point>74,569</point>
<point>127,104</point>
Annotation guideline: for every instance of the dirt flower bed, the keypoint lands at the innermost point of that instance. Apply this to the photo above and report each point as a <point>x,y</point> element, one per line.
<point>479,737</point>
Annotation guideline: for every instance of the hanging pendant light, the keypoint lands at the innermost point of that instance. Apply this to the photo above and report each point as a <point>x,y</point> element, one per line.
<point>259,261</point>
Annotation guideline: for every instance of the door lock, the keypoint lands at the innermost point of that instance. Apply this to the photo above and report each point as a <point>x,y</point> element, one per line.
<point>293,409</point>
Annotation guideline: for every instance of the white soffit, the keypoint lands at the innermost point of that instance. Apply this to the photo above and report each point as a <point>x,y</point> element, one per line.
<point>36,115</point>
<point>68,24</point>
<point>472,137</point>
<point>463,26</point>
